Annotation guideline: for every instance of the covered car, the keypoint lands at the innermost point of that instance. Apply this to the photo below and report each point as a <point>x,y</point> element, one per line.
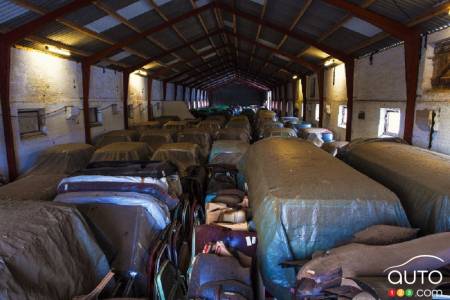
<point>47,251</point>
<point>176,125</point>
<point>155,138</point>
<point>304,200</point>
<point>420,178</point>
<point>125,151</point>
<point>228,152</point>
<point>197,136</point>
<point>280,132</point>
<point>147,125</point>
<point>182,155</point>
<point>53,164</point>
<point>233,134</point>
<point>116,136</point>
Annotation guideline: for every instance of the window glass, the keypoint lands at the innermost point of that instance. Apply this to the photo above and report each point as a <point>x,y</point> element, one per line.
<point>342,116</point>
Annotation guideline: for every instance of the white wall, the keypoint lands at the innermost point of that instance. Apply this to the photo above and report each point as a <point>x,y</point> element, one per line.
<point>381,84</point>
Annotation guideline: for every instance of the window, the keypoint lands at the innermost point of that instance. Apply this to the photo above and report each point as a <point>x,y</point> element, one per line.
<point>342,116</point>
<point>389,122</point>
<point>95,118</point>
<point>312,87</point>
<point>31,121</point>
<point>317,112</point>
<point>441,66</point>
<point>130,111</point>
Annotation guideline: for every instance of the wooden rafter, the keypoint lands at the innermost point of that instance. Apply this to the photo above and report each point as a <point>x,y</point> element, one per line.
<point>137,36</point>
<point>258,32</point>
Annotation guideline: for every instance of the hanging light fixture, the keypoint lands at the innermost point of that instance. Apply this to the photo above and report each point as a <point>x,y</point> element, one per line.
<point>56,50</point>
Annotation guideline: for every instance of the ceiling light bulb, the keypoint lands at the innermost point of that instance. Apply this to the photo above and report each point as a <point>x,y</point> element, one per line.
<point>294,77</point>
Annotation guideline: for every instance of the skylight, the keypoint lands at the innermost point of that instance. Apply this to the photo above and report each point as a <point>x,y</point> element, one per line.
<point>362,27</point>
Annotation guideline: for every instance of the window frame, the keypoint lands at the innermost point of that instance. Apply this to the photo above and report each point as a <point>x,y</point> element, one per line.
<point>40,118</point>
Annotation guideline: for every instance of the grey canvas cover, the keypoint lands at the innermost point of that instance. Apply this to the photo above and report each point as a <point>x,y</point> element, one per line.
<point>420,178</point>
<point>233,134</point>
<point>177,125</point>
<point>155,138</point>
<point>228,152</point>
<point>197,136</point>
<point>47,252</point>
<point>116,136</point>
<point>147,125</point>
<point>182,155</point>
<point>306,133</point>
<point>280,132</point>
<point>53,164</point>
<point>124,151</point>
<point>304,200</point>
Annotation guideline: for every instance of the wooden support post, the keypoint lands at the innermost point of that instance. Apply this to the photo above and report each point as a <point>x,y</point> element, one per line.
<point>164,90</point>
<point>184,94</point>
<point>320,82</point>
<point>175,92</point>
<point>126,78</point>
<point>412,57</point>
<point>295,96</point>
<point>349,77</point>
<point>304,97</point>
<point>5,73</point>
<point>86,79</point>
<point>286,100</point>
<point>190,98</point>
<point>196,98</point>
<point>149,98</point>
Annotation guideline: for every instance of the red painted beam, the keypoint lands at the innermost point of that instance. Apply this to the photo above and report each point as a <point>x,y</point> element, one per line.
<point>349,78</point>
<point>286,100</point>
<point>135,37</point>
<point>28,28</point>
<point>303,38</point>
<point>5,71</point>
<point>86,79</point>
<point>412,57</point>
<point>126,82</point>
<point>320,82</point>
<point>294,95</point>
<point>304,97</point>
<point>388,25</point>
<point>149,98</point>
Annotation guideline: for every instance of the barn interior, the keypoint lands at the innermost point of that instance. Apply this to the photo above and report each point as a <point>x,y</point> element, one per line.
<point>224,149</point>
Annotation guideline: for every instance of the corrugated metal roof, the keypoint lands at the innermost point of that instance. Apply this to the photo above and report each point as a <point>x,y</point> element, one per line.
<point>319,19</point>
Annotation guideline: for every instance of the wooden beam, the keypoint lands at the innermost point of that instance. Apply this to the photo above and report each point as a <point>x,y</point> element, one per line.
<point>435,11</point>
<point>303,38</point>
<point>303,78</point>
<point>388,25</point>
<point>149,98</point>
<point>86,79</point>
<point>30,27</point>
<point>164,90</point>
<point>173,50</point>
<point>349,78</point>
<point>137,36</point>
<point>184,93</point>
<point>298,60</point>
<point>412,58</point>
<point>126,82</point>
<point>5,73</point>
<point>320,82</point>
<point>175,92</point>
